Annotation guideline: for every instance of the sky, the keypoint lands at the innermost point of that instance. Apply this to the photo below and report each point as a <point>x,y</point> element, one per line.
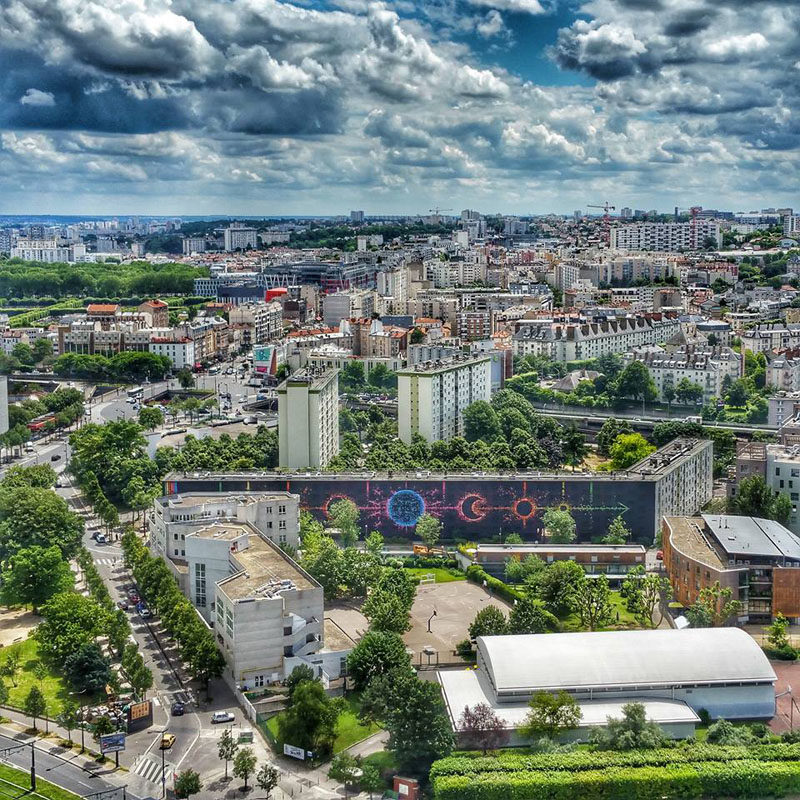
<point>263,107</point>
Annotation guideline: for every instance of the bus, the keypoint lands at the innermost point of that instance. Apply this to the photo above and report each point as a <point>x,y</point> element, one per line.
<point>135,394</point>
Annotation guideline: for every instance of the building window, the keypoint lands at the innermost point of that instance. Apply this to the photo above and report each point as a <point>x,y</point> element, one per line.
<point>258,681</point>
<point>200,585</point>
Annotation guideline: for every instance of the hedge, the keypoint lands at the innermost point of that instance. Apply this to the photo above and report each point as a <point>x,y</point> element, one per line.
<point>677,782</point>
<point>580,760</point>
<point>477,574</point>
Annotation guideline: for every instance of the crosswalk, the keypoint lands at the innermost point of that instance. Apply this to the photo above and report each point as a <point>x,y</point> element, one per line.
<point>148,767</point>
<point>107,562</point>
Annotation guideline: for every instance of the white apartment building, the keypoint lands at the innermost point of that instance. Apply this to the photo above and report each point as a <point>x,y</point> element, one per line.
<point>574,341</point>
<point>263,607</point>
<point>194,244</point>
<point>261,321</point>
<point>240,238</point>
<point>783,475</point>
<point>308,419</point>
<point>393,284</point>
<point>782,407</point>
<point>353,304</point>
<point>179,350</point>
<point>458,271</point>
<point>783,371</point>
<point>47,250</point>
<point>432,396</point>
<point>771,337</point>
<point>274,514</point>
<point>665,236</point>
<point>705,366</point>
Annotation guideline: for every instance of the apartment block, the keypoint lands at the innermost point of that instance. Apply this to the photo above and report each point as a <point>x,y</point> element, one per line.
<point>666,236</point>
<point>308,419</point>
<point>432,396</point>
<point>259,322</point>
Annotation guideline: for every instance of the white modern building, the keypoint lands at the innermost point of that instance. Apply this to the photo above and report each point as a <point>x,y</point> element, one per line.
<point>179,350</point>
<point>674,673</point>
<point>432,396</point>
<point>308,419</point>
<point>239,237</point>
<point>666,236</point>
<point>47,250</point>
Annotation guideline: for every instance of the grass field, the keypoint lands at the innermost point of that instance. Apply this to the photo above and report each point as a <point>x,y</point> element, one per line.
<point>11,779</point>
<point>348,728</point>
<point>54,687</point>
<point>441,575</point>
<point>622,618</point>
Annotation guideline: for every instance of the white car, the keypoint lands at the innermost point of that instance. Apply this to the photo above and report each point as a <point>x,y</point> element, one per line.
<point>222,716</point>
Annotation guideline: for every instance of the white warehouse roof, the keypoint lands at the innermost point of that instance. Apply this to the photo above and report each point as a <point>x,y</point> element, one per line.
<point>520,665</point>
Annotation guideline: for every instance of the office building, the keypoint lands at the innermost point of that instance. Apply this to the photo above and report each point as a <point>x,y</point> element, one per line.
<point>432,396</point>
<point>308,419</point>
<point>757,559</point>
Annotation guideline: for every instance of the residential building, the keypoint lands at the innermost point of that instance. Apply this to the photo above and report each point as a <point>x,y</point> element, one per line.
<point>357,217</point>
<point>476,324</point>
<point>666,236</point>
<point>193,244</point>
<point>432,396</point>
<point>356,303</point>
<point>47,250</point>
<point>783,370</point>
<point>158,312</point>
<point>757,559</point>
<point>260,322</point>
<point>240,237</point>
<point>783,477</point>
<point>179,350</point>
<point>3,404</point>
<point>674,674</point>
<point>308,419</point>
<point>782,408</point>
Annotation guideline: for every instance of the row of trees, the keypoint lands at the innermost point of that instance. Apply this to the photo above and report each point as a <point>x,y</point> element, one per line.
<point>125,367</point>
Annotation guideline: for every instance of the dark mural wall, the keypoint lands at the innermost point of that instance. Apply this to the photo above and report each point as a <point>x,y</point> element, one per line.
<point>467,508</point>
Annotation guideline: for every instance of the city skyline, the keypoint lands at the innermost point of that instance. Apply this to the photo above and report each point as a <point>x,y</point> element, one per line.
<point>256,107</point>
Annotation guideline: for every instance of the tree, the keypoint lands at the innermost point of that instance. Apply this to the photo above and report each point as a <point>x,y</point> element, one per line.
<point>574,446</point>
<point>668,392</point>
<point>593,602</point>
<point>226,748</point>
<point>489,621</point>
<point>244,764</point>
<point>633,732</point>
<point>753,498</point>
<point>205,660</point>
<point>635,381</point>
<point>378,653</point>
<point>151,417</point>
<point>419,730</point>
<point>643,594</point>
<point>481,422</point>
<point>628,448</point>
<point>101,726</point>
<point>560,526</point>
<point>782,508</point>
<point>68,718</point>
<point>529,616</point>
<point>310,721</point>
<point>551,714</point>
<point>714,607</point>
<point>618,532</point>
<point>429,529</point>
<point>267,779</point>
<point>344,515</point>
<point>87,669</point>
<point>386,612</point>
<point>776,632</point>
<point>688,392</point>
<point>34,705</point>
<point>185,378</point>
<point>370,780</point>
<point>558,586</point>
<point>481,729</point>
<point>612,428</point>
<point>70,620</point>
<point>344,768</point>
<point>10,666</point>
<point>187,783</point>
<point>725,733</point>
<point>416,337</point>
<point>33,575</point>
<point>374,544</point>
<point>3,693</point>
<point>299,675</point>
<point>738,393</point>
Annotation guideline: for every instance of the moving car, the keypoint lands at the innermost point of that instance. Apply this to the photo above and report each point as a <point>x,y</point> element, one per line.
<point>55,457</point>
<point>167,740</point>
<point>178,710</point>
<point>222,716</point>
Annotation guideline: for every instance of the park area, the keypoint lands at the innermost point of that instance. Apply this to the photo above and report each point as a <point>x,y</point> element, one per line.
<point>16,783</point>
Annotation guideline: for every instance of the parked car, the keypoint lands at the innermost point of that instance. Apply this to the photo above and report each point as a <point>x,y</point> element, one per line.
<point>55,457</point>
<point>123,605</point>
<point>101,538</point>
<point>250,420</point>
<point>167,740</point>
<point>222,716</point>
<point>145,612</point>
<point>178,710</point>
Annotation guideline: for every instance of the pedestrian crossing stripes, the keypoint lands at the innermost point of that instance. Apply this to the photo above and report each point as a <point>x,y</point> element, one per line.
<point>106,562</point>
<point>148,767</point>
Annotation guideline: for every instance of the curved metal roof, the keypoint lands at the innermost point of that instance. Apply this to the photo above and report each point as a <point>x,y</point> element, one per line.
<point>534,662</point>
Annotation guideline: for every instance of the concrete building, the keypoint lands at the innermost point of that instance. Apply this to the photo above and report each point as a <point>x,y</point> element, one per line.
<point>259,322</point>
<point>666,236</point>
<point>782,408</point>
<point>757,559</point>
<point>193,244</point>
<point>275,514</point>
<point>308,419</point>
<point>783,476</point>
<point>674,673</point>
<point>432,396</point>
<point>264,608</point>
<point>3,404</point>
<point>783,370</point>
<point>47,250</point>
<point>240,237</point>
<point>179,350</point>
<point>354,304</point>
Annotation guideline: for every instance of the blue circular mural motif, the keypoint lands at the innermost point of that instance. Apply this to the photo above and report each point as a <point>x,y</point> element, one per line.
<point>405,508</point>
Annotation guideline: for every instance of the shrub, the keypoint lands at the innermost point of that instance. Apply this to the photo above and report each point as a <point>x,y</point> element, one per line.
<point>478,575</point>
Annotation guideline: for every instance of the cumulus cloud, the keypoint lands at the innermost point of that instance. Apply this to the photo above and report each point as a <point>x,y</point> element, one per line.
<point>36,97</point>
<point>520,6</point>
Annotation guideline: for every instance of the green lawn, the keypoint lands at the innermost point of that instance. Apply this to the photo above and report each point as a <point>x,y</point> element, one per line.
<point>348,728</point>
<point>442,575</point>
<point>572,622</point>
<point>10,776</point>
<point>54,687</point>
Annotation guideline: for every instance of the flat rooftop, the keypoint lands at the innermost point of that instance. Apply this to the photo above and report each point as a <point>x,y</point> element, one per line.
<point>264,568</point>
<point>604,549</point>
<point>688,537</point>
<point>193,499</point>
<point>745,537</point>
<point>444,365</point>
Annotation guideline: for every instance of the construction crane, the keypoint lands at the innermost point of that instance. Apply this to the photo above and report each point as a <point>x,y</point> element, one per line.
<point>694,211</point>
<point>606,219</point>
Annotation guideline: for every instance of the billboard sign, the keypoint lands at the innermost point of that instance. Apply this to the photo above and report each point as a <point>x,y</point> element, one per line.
<point>294,752</point>
<point>112,743</point>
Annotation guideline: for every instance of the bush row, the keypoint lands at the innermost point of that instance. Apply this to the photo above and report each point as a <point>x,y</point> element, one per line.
<point>677,782</point>
<point>478,575</point>
<point>578,760</point>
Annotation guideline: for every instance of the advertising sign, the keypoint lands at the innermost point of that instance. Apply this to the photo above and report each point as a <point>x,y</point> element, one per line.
<point>294,752</point>
<point>112,743</point>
